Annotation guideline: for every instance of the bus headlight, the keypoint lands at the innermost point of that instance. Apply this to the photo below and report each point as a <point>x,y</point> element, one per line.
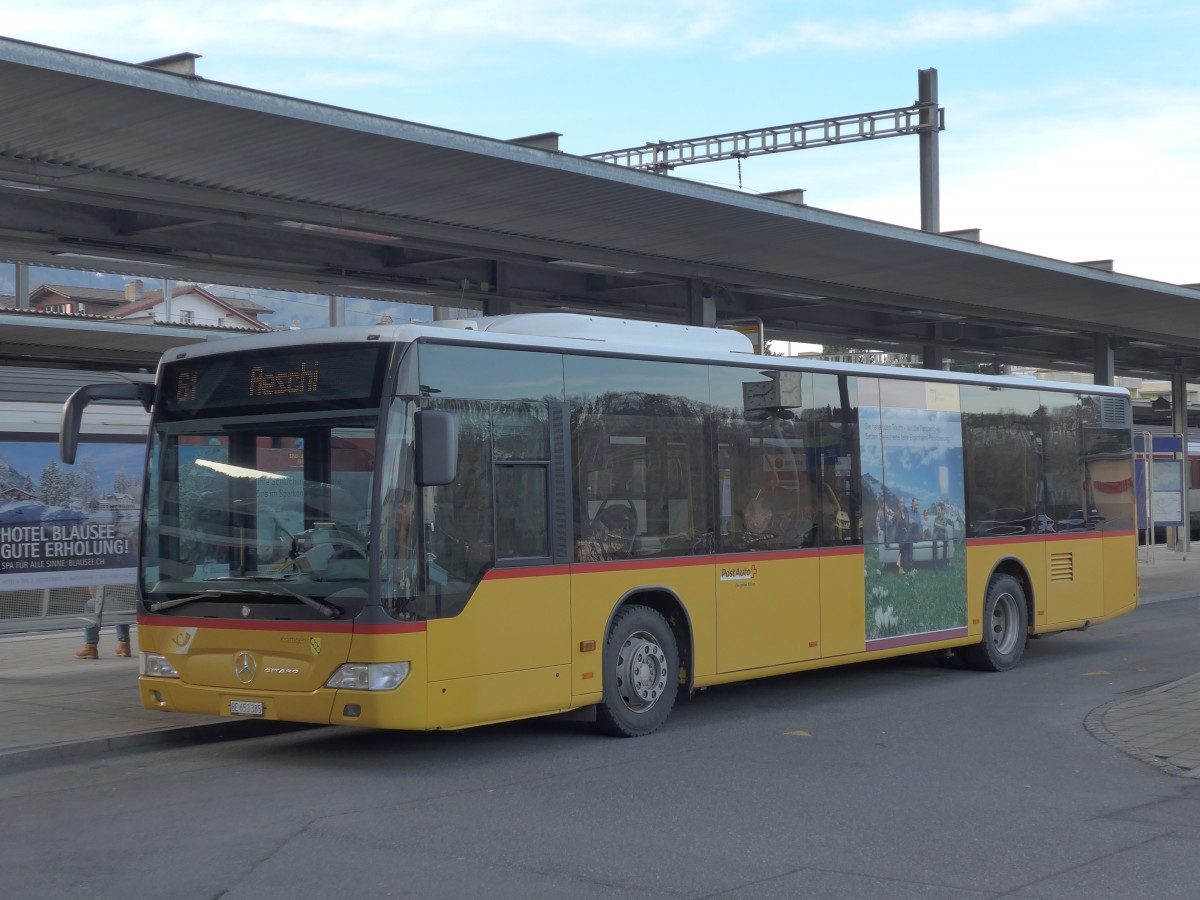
<point>369,676</point>
<point>157,665</point>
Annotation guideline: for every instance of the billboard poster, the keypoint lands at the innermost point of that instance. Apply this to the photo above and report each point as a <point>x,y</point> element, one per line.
<point>68,526</point>
<point>914,527</point>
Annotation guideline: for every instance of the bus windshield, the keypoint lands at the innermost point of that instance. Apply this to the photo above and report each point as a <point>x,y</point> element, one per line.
<point>265,504</point>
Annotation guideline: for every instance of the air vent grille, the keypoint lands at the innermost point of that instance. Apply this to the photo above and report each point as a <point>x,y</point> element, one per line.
<point>1114,412</point>
<point>1062,566</point>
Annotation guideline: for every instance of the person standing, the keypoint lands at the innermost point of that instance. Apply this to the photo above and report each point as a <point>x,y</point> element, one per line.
<point>913,535</point>
<point>91,634</point>
<point>900,525</point>
<point>941,535</point>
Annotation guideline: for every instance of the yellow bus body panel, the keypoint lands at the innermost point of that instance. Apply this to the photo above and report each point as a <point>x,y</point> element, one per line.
<point>843,602</point>
<point>503,696</point>
<point>1120,574</point>
<point>768,609</point>
<point>1075,583</point>
<point>511,623</point>
<point>506,655</point>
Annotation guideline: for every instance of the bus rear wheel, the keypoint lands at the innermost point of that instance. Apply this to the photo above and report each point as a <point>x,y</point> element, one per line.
<point>1005,627</point>
<point>641,673</point>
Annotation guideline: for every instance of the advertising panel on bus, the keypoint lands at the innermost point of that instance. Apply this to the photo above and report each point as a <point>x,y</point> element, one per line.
<point>914,528</point>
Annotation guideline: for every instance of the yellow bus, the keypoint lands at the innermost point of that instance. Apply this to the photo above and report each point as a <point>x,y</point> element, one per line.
<point>449,525</point>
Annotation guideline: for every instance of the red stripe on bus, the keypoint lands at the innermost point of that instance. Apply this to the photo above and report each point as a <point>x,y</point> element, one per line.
<point>245,624</point>
<point>713,559</point>
<point>853,550</point>
<point>764,556</point>
<point>525,572</point>
<point>1043,538</point>
<point>909,640</point>
<point>397,628</point>
<point>629,565</point>
<point>258,625</point>
<point>1086,535</point>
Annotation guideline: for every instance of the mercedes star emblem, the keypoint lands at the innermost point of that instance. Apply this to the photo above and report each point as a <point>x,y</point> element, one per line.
<point>244,667</point>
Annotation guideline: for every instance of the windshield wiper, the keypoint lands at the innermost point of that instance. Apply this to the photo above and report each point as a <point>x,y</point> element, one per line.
<point>325,608</point>
<point>179,601</point>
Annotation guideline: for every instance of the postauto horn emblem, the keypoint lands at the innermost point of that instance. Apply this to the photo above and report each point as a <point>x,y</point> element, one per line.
<point>244,667</point>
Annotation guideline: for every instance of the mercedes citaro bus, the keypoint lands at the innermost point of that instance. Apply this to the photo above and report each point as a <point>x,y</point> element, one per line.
<point>448,525</point>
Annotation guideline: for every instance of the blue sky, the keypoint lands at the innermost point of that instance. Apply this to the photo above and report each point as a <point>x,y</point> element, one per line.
<point>1071,124</point>
<point>31,457</point>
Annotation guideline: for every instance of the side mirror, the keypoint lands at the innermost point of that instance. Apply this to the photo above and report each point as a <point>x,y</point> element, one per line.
<point>436,434</point>
<point>72,411</point>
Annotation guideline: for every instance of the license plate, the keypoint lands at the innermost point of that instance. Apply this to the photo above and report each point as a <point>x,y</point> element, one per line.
<point>245,708</point>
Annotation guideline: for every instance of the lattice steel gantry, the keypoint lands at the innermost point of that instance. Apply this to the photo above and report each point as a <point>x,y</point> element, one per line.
<point>662,156</point>
<point>924,118</point>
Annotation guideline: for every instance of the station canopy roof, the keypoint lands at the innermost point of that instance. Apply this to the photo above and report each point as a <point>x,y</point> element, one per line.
<point>110,166</point>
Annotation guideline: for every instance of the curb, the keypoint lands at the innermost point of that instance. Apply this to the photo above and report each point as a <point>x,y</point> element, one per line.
<point>1094,723</point>
<point>175,736</point>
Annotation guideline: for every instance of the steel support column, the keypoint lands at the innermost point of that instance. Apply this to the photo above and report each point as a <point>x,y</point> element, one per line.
<point>497,304</point>
<point>1179,424</point>
<point>22,286</point>
<point>927,99</point>
<point>1102,360</point>
<point>702,307</point>
<point>1179,401</point>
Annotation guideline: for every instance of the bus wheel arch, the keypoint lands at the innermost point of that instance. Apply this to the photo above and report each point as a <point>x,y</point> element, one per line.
<point>1016,569</point>
<point>1006,615</point>
<point>646,663</point>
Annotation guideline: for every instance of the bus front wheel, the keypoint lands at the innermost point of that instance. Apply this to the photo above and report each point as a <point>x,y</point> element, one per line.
<point>641,673</point>
<point>1005,627</point>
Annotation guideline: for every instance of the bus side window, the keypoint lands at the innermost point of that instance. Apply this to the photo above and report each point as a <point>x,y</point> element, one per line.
<point>521,469</point>
<point>522,512</point>
<point>458,517</point>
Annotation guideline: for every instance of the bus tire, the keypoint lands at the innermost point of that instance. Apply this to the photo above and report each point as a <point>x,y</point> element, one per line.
<point>1005,627</point>
<point>641,673</point>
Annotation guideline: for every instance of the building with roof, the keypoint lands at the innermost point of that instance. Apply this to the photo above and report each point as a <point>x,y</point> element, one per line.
<point>71,300</point>
<point>188,304</point>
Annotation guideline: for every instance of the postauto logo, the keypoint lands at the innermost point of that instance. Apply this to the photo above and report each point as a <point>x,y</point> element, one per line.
<point>739,573</point>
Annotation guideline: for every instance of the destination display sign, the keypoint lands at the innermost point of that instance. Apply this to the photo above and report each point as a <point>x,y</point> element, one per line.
<point>321,377</point>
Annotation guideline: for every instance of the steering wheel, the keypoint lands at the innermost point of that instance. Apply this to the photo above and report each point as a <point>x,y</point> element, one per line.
<point>619,518</point>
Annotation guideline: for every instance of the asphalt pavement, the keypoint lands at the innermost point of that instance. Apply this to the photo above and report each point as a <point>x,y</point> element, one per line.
<point>56,708</point>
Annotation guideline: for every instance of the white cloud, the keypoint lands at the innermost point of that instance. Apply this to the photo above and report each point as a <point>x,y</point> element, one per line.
<point>1115,178</point>
<point>320,51</point>
<point>926,26</point>
<point>362,30</point>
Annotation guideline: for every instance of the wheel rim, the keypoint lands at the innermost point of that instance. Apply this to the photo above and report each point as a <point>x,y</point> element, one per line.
<point>641,671</point>
<point>1005,616</point>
